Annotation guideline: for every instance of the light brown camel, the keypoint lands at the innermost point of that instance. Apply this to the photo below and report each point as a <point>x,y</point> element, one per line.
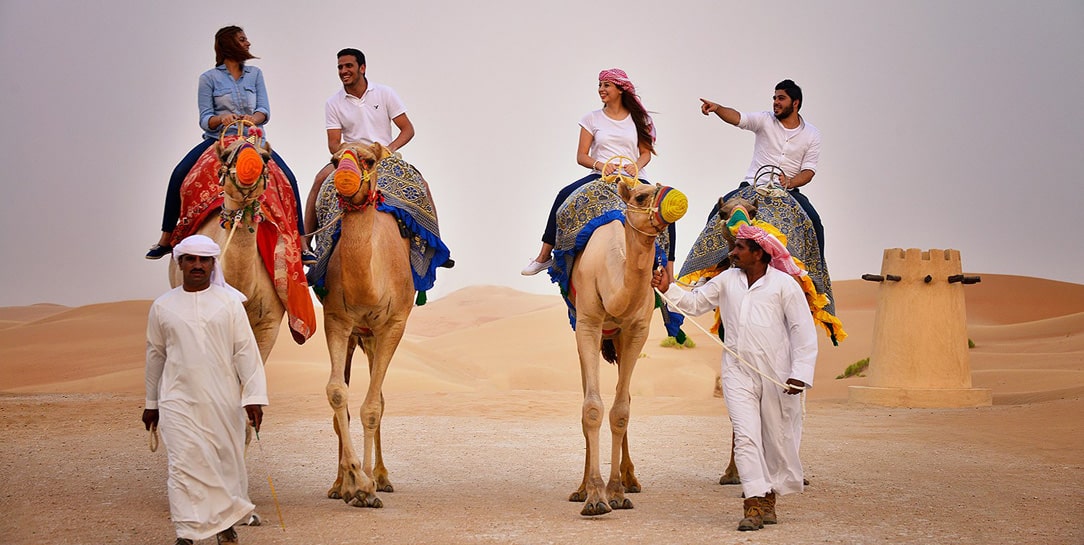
<point>614,300</point>
<point>241,263</point>
<point>370,293</point>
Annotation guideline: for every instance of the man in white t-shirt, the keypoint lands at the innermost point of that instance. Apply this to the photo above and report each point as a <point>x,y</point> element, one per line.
<point>784,139</point>
<point>359,112</point>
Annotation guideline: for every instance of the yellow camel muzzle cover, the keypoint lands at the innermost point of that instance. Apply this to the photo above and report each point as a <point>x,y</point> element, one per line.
<point>672,204</point>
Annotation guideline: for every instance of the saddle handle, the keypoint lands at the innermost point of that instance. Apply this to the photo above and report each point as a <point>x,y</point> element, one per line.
<point>621,160</point>
<point>242,124</point>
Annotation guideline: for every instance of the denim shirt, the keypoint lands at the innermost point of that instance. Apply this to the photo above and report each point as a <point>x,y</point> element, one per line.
<point>220,94</point>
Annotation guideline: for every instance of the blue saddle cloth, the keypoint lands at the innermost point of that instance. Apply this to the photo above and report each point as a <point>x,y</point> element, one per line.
<point>405,198</point>
<point>594,204</point>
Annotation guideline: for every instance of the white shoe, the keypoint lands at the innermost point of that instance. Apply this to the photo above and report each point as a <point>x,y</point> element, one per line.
<point>534,267</point>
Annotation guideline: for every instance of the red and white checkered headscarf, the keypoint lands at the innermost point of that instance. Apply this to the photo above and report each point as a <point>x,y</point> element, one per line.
<point>619,78</point>
<point>781,258</point>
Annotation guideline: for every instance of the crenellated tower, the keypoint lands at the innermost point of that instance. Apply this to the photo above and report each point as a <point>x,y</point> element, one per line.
<point>920,354</point>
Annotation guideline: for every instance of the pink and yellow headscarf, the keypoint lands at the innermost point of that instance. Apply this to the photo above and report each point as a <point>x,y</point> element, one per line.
<point>619,78</point>
<point>781,258</point>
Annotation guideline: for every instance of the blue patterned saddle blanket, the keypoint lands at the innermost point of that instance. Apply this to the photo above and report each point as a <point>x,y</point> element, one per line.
<point>786,214</point>
<point>592,205</point>
<point>405,197</point>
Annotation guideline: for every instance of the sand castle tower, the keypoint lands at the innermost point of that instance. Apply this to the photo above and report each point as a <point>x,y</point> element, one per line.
<point>920,353</point>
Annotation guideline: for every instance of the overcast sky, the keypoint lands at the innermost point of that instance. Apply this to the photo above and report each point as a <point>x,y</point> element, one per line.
<point>945,124</point>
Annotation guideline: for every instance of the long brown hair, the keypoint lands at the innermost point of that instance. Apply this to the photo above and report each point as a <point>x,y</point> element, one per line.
<point>227,46</point>
<point>640,118</point>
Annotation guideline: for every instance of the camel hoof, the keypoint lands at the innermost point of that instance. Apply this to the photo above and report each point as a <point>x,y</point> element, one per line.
<point>386,488</point>
<point>624,503</point>
<point>633,489</point>
<point>334,494</point>
<point>363,500</point>
<point>578,496</point>
<point>595,509</point>
<point>728,479</point>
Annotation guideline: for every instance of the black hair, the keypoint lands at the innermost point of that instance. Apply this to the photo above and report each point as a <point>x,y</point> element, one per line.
<point>356,53</point>
<point>765,257</point>
<point>792,90</point>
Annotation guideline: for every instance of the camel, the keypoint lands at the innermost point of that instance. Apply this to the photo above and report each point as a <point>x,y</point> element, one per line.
<point>370,293</point>
<point>240,261</point>
<point>613,302</point>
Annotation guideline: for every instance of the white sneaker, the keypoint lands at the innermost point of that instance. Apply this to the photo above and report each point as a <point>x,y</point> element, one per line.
<point>533,267</point>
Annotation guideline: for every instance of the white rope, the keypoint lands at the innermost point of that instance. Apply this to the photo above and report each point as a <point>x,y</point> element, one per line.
<point>733,352</point>
<point>330,224</point>
<point>236,220</point>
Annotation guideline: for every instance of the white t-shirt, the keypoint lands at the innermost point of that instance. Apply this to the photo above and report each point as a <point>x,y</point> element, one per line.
<point>792,150</point>
<point>611,138</point>
<point>367,119</point>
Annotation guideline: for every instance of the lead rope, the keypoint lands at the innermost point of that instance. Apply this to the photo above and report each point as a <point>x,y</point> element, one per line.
<point>274,496</point>
<point>733,352</point>
<point>236,221</point>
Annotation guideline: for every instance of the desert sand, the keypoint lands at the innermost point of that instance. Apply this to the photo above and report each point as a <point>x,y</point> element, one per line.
<point>482,435</point>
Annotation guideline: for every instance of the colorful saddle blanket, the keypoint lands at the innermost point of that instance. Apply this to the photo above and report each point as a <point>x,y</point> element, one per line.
<point>405,197</point>
<point>786,214</point>
<point>276,235</point>
<point>593,205</point>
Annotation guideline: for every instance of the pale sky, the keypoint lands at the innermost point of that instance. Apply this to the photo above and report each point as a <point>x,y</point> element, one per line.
<point>945,124</point>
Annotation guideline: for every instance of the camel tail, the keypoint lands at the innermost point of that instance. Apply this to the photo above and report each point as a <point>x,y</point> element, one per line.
<point>609,351</point>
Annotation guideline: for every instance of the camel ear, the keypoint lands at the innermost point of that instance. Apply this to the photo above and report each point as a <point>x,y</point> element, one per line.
<point>724,210</point>
<point>379,151</point>
<point>624,191</point>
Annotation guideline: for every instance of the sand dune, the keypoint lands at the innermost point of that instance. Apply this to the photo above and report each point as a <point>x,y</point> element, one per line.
<point>494,339</point>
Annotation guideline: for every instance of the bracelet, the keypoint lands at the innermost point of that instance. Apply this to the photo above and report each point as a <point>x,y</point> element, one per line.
<point>593,165</point>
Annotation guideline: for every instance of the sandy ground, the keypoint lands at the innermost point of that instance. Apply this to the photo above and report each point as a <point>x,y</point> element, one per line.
<point>482,436</point>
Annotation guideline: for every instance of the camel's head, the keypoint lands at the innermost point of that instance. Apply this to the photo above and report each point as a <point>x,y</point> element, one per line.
<point>242,174</point>
<point>651,208</point>
<point>738,210</point>
<point>355,171</point>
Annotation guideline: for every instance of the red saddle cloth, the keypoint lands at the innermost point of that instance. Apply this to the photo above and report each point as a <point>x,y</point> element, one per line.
<point>276,236</point>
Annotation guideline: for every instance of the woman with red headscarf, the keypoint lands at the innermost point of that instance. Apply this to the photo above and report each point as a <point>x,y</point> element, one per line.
<point>621,128</point>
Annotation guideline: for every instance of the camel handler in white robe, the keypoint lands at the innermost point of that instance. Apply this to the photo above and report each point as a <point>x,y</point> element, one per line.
<point>766,320</point>
<point>205,380</point>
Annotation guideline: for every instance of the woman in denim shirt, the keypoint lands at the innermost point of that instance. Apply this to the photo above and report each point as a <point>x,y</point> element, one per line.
<point>229,92</point>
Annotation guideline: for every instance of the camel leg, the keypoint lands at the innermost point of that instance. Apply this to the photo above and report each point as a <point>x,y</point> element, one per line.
<point>351,484</point>
<point>628,475</point>
<point>588,339</point>
<point>380,472</point>
<point>621,467</point>
<point>730,476</point>
<point>383,346</point>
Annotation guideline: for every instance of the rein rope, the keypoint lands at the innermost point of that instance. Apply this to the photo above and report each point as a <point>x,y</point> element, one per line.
<point>734,353</point>
<point>632,181</point>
